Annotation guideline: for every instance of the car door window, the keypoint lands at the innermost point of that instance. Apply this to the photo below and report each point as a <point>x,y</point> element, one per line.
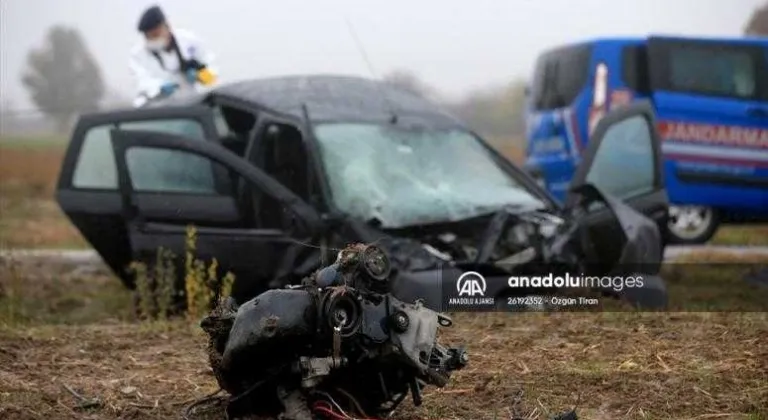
<point>180,172</point>
<point>190,194</point>
<point>282,155</point>
<point>234,127</point>
<point>95,167</point>
<point>179,194</point>
<point>623,165</point>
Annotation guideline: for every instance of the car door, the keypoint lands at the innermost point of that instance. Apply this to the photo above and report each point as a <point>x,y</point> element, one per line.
<point>169,182</point>
<point>711,99</point>
<point>623,160</point>
<point>87,189</point>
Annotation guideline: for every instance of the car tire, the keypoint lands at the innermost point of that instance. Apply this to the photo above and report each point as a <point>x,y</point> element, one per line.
<point>692,225</point>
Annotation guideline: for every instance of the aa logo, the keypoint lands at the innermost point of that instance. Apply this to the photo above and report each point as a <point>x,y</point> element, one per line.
<point>471,283</point>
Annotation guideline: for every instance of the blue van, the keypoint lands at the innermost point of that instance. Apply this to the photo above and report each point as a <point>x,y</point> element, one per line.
<point>711,102</point>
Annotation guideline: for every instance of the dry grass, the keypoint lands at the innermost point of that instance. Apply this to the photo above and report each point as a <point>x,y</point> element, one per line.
<point>756,235</point>
<point>614,366</point>
<point>34,169</point>
<point>77,330</point>
<point>30,218</point>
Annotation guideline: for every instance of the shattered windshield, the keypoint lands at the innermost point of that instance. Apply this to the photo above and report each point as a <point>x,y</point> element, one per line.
<point>405,176</point>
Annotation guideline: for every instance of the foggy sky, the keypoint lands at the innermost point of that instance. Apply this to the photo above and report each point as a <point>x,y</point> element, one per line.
<point>454,45</point>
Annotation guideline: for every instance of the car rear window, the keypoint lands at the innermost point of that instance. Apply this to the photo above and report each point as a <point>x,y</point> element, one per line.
<point>709,69</point>
<point>560,76</point>
<point>96,168</point>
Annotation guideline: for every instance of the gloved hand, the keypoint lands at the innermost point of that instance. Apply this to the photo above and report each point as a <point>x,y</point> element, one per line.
<point>191,75</point>
<point>206,77</point>
<point>168,88</point>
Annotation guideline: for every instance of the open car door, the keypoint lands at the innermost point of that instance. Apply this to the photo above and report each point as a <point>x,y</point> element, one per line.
<point>168,183</point>
<point>620,186</point>
<point>87,189</point>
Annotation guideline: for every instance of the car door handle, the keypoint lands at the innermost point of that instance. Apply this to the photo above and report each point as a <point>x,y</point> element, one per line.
<point>757,112</point>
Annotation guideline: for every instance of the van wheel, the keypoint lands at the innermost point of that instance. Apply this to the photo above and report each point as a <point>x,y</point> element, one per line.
<point>692,225</point>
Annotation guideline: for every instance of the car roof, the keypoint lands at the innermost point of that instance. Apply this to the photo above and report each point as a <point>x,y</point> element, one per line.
<point>328,98</point>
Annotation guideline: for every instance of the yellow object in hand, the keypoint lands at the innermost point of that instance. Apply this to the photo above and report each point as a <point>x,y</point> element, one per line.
<point>206,77</point>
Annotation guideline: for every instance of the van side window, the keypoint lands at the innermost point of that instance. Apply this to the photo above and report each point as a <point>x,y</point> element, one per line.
<point>634,68</point>
<point>560,76</point>
<point>709,69</point>
<point>95,167</point>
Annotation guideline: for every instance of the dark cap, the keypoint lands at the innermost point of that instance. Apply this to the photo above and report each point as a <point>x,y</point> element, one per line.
<point>151,19</point>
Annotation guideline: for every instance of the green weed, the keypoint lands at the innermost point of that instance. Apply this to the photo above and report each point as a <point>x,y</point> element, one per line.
<point>156,288</point>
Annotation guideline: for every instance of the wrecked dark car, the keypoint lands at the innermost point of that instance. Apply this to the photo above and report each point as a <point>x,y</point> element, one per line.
<point>279,174</point>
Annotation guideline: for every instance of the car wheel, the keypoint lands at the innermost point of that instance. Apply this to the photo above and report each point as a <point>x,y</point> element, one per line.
<point>691,224</point>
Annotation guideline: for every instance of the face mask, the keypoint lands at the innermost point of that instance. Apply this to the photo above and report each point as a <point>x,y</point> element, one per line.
<point>157,44</point>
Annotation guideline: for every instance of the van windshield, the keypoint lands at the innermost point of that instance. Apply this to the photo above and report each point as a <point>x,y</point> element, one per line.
<point>403,176</point>
<point>559,76</point>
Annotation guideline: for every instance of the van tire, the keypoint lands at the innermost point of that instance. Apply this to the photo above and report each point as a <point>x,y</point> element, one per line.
<point>701,221</point>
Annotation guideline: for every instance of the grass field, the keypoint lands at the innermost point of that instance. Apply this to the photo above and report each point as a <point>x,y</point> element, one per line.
<point>30,216</point>
<point>70,346</point>
<point>62,327</point>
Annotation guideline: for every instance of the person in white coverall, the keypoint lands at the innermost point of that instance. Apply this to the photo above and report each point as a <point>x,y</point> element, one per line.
<point>168,61</point>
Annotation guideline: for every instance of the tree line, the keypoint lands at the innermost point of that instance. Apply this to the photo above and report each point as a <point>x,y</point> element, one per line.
<point>63,79</point>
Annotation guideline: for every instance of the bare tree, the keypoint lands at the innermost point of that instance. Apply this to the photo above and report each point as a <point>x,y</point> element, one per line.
<point>62,77</point>
<point>758,23</point>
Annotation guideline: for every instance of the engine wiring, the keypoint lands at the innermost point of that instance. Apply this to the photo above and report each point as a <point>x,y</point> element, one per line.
<point>353,401</point>
<point>329,409</point>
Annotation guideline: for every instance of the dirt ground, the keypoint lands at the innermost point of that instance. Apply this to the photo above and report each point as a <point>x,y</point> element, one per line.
<point>69,348</point>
